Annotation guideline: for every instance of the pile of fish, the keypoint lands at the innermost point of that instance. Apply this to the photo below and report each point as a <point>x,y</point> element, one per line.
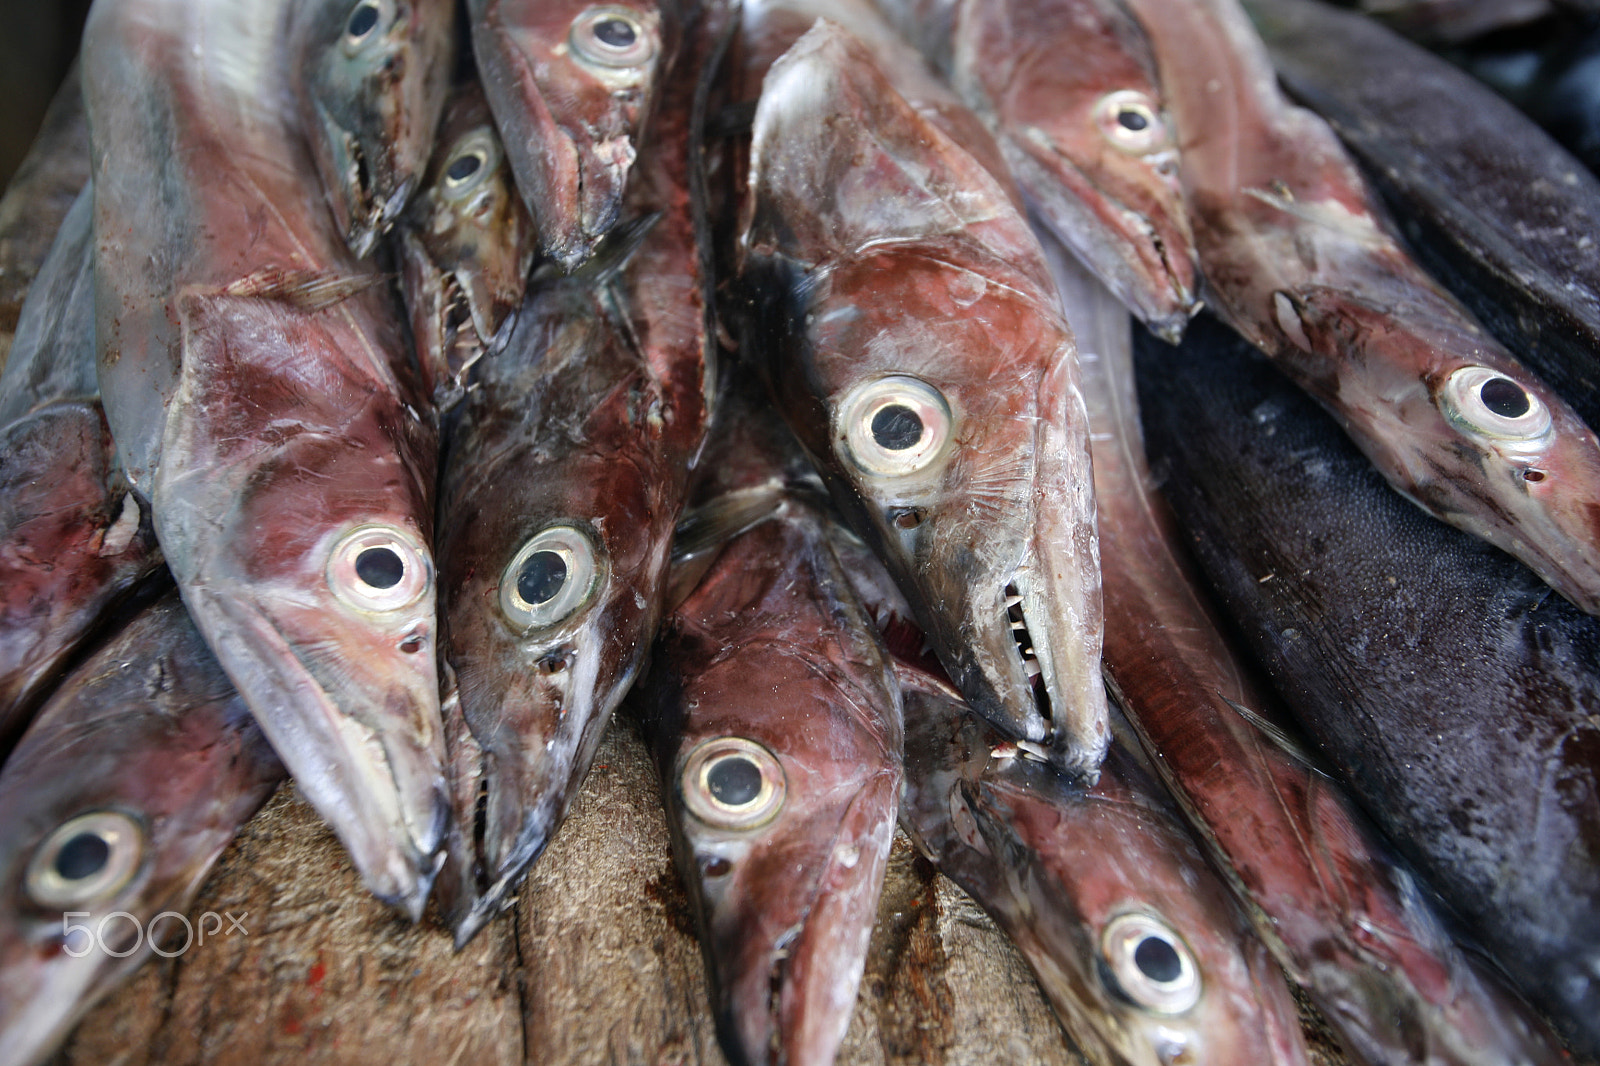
<point>394,389</point>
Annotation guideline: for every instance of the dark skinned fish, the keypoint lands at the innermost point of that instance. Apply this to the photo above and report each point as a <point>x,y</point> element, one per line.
<point>1454,21</point>
<point>1499,212</point>
<point>913,340</point>
<point>1297,259</point>
<point>571,83</point>
<point>567,467</point>
<point>1458,698</point>
<point>1133,938</point>
<point>136,774</point>
<point>73,537</point>
<point>1324,894</point>
<point>371,78</point>
<point>257,384</point>
<point>1070,90</point>
<point>40,193</point>
<point>466,247</point>
<point>775,720</point>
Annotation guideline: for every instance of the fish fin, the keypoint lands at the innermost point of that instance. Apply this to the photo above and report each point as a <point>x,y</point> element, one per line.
<point>1327,215</point>
<point>1280,739</point>
<point>712,524</point>
<point>308,290</point>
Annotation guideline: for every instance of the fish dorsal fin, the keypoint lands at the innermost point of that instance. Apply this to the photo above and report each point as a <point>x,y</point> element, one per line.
<point>831,133</point>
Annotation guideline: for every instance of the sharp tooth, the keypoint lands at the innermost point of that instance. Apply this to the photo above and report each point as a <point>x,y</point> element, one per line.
<point>1032,667</point>
<point>1019,625</point>
<point>1012,601</point>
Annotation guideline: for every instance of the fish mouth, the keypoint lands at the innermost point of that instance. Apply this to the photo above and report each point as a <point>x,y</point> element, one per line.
<point>40,1004</point>
<point>360,209</point>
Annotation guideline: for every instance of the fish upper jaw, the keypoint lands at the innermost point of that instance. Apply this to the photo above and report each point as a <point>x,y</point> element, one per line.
<point>41,998</point>
<point>358,208</point>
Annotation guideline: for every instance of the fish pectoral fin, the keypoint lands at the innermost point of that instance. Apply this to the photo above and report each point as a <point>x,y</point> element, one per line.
<point>1279,739</point>
<point>718,521</point>
<point>307,290</point>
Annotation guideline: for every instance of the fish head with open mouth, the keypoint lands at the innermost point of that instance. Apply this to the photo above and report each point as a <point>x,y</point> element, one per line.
<point>374,74</point>
<point>570,84</point>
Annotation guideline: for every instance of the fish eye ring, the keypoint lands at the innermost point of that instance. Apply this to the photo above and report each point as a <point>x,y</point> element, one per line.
<point>551,576</point>
<point>86,861</point>
<point>1147,963</point>
<point>379,568</point>
<point>1487,403</point>
<point>369,20</point>
<point>894,425</point>
<point>1131,121</point>
<point>475,158</point>
<point>733,783</point>
<point>612,37</point>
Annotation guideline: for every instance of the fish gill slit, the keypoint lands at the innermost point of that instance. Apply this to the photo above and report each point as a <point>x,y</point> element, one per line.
<point>1018,624</point>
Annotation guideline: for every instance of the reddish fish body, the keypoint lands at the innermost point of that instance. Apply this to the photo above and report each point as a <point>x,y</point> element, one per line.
<point>257,385</point>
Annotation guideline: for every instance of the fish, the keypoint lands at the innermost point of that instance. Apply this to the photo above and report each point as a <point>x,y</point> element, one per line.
<point>136,774</point>
<point>571,85</point>
<point>1332,902</point>
<point>1453,694</point>
<point>1446,22</point>
<point>466,248</point>
<point>1297,257</point>
<point>1497,211</point>
<point>370,78</point>
<point>74,538</point>
<point>38,197</point>
<point>567,465</point>
<point>1070,91</point>
<point>256,381</point>
<point>775,720</point>
<point>1133,939</point>
<point>892,286</point>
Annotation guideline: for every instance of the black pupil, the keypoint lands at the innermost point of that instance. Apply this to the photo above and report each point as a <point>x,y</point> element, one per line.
<point>896,428</point>
<point>82,856</point>
<point>1504,397</point>
<point>542,577</point>
<point>362,19</point>
<point>1157,960</point>
<point>734,781</point>
<point>615,33</point>
<point>380,568</point>
<point>1133,120</point>
<point>464,168</point>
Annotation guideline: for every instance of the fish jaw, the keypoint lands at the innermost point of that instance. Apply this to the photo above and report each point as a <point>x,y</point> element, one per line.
<point>372,105</point>
<point>570,123</point>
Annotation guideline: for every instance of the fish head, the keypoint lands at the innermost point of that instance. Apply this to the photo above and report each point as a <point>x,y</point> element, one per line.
<point>571,84</point>
<point>1455,420</point>
<point>780,755</point>
<point>134,778</point>
<point>375,76</point>
<point>948,417</point>
<point>1134,940</point>
<point>1087,135</point>
<point>468,246</point>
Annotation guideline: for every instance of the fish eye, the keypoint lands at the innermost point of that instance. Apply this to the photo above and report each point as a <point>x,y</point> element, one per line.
<point>476,156</point>
<point>86,861</point>
<point>368,21</point>
<point>611,37</point>
<point>733,783</point>
<point>1147,963</point>
<point>1131,121</point>
<point>549,578</point>
<point>894,426</point>
<point>379,568</point>
<point>1486,402</point>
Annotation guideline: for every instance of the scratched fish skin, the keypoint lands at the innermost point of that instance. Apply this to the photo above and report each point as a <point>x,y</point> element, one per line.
<point>1499,212</point>
<point>571,84</point>
<point>1088,884</point>
<point>566,470</point>
<point>1322,891</point>
<point>1069,89</point>
<point>256,382</point>
<point>74,539</point>
<point>466,247</point>
<point>895,285</point>
<point>775,720</point>
<point>1454,694</point>
<point>371,78</point>
<point>40,193</point>
<point>135,775</point>
<point>1297,258</point>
